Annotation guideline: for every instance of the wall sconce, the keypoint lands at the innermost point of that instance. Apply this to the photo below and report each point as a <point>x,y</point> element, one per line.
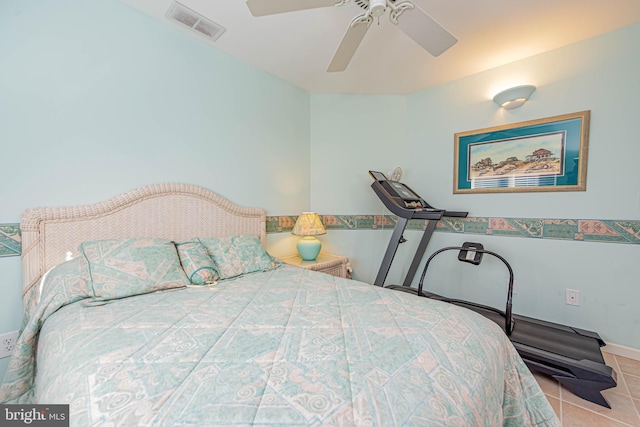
<point>308,225</point>
<point>514,97</point>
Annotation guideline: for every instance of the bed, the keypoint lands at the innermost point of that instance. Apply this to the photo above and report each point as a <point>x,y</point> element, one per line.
<point>114,329</point>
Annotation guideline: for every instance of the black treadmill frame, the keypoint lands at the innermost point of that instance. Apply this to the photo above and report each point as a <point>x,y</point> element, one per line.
<point>427,212</point>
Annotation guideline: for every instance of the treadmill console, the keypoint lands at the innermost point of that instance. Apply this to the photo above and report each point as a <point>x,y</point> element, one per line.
<point>404,202</point>
<point>400,194</point>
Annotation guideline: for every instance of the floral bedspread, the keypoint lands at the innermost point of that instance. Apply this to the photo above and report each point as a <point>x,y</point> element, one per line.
<point>288,347</point>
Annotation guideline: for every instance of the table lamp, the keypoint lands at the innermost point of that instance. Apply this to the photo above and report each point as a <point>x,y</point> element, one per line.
<point>308,225</point>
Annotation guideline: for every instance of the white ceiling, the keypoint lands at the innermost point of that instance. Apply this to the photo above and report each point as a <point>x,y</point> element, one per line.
<point>298,46</point>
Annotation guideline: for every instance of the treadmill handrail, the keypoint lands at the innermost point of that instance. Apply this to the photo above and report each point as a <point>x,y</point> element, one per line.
<point>457,214</point>
<point>508,314</point>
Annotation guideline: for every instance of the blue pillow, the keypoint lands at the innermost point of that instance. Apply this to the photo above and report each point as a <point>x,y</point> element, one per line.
<point>125,267</point>
<point>237,255</point>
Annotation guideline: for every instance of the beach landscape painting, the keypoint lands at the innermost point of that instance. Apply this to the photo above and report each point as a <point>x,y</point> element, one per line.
<point>539,155</point>
<point>532,155</point>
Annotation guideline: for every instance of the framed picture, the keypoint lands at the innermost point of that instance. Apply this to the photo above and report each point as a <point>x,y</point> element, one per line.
<point>539,155</point>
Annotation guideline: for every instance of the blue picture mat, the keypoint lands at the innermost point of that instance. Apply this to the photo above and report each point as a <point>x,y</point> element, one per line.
<point>572,127</point>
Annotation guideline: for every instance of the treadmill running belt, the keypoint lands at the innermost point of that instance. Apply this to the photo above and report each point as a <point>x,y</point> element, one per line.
<point>548,338</point>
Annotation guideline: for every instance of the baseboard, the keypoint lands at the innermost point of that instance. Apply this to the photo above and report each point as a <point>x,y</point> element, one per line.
<point>620,350</point>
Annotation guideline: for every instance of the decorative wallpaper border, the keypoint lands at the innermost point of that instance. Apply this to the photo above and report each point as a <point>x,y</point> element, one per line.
<point>10,240</point>
<point>582,230</point>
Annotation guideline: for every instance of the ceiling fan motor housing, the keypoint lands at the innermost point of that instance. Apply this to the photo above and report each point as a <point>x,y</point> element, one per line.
<point>365,3</point>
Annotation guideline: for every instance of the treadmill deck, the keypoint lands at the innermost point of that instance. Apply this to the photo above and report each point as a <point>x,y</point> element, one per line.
<point>559,340</point>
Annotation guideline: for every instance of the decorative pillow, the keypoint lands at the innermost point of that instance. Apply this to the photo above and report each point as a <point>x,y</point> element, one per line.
<point>197,263</point>
<point>121,268</point>
<point>236,255</point>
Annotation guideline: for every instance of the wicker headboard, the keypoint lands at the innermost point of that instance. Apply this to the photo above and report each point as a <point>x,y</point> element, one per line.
<point>170,211</point>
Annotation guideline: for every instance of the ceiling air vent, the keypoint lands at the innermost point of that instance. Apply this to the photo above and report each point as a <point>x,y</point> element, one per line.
<point>195,21</point>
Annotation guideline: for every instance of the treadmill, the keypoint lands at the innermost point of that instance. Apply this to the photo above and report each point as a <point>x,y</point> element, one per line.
<point>570,355</point>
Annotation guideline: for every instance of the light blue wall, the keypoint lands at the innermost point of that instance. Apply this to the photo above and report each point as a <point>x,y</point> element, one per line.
<point>350,135</point>
<point>97,98</point>
<point>354,134</point>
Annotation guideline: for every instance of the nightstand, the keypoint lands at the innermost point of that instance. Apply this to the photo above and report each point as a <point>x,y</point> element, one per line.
<point>325,263</point>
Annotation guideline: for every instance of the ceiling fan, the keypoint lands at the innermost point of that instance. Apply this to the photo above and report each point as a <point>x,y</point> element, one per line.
<point>415,23</point>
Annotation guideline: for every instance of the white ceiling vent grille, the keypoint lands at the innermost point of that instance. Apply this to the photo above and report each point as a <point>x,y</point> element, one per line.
<point>195,21</point>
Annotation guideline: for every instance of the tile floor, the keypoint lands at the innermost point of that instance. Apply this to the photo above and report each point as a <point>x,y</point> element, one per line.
<point>624,398</point>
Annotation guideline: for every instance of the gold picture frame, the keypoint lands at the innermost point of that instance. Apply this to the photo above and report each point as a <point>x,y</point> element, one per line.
<point>547,154</point>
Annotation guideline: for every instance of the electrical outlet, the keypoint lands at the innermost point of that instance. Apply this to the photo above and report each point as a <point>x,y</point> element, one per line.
<point>572,296</point>
<point>8,343</point>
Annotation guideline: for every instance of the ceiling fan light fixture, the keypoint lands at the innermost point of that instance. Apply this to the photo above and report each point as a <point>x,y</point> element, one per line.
<point>514,97</point>
<point>377,7</point>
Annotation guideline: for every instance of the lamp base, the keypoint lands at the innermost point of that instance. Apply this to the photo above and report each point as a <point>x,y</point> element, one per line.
<point>309,248</point>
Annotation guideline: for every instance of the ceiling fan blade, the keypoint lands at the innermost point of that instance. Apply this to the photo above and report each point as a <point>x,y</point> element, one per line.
<point>349,44</point>
<point>425,31</point>
<point>271,7</point>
